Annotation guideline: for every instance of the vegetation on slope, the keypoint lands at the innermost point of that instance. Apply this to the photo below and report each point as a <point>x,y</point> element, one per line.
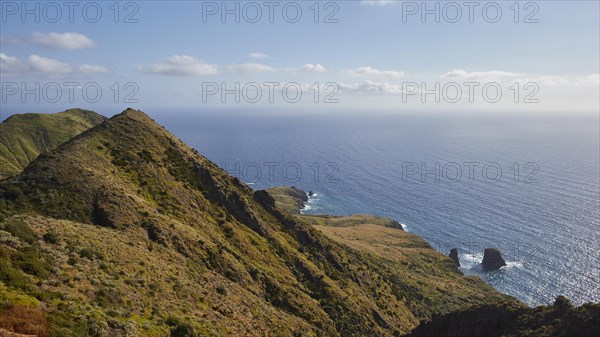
<point>288,198</point>
<point>24,137</point>
<point>507,320</point>
<point>502,319</point>
<point>126,231</point>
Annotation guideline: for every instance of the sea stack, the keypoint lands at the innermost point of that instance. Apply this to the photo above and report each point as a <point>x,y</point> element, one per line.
<point>492,259</point>
<point>454,256</point>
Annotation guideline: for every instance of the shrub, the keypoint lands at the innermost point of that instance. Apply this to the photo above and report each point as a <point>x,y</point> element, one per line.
<point>108,297</point>
<point>563,304</point>
<point>183,330</point>
<point>31,262</point>
<point>90,254</point>
<point>14,278</point>
<point>13,193</point>
<point>221,290</point>
<point>146,155</point>
<point>9,275</point>
<point>228,231</point>
<point>61,324</point>
<point>51,237</point>
<point>119,162</point>
<point>179,328</point>
<point>21,230</point>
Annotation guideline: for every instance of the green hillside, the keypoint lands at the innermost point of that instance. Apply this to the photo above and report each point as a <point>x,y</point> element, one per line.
<point>24,137</point>
<point>126,231</point>
<point>381,237</point>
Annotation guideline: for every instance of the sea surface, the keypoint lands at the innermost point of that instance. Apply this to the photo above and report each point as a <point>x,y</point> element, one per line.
<point>529,186</point>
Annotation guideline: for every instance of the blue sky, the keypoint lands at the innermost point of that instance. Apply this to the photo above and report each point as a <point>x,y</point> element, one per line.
<point>374,55</point>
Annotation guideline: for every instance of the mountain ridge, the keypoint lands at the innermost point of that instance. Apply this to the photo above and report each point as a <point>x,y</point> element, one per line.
<point>159,240</point>
<point>23,137</point>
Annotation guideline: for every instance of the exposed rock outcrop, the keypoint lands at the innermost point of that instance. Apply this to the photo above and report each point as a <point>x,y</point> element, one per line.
<point>492,259</point>
<point>454,256</point>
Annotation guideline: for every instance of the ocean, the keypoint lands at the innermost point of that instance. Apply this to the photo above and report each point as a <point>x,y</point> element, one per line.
<point>529,186</point>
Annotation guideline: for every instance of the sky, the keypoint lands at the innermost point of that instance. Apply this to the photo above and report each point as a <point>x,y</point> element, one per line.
<point>522,57</point>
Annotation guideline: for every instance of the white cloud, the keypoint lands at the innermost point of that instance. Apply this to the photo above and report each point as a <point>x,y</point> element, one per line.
<point>9,65</point>
<point>258,56</point>
<point>69,41</point>
<point>593,79</point>
<point>369,71</point>
<point>45,65</point>
<point>250,68</point>
<point>313,68</point>
<point>499,76</point>
<point>39,65</point>
<point>494,75</point>
<point>92,69</point>
<point>9,40</point>
<point>377,2</point>
<point>371,87</point>
<point>181,65</point>
<point>551,80</point>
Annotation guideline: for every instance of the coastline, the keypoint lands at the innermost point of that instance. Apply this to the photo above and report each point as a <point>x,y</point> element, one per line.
<point>294,200</point>
<point>387,239</point>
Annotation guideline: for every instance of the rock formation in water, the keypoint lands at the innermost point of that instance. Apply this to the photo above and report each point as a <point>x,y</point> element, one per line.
<point>454,256</point>
<point>492,259</point>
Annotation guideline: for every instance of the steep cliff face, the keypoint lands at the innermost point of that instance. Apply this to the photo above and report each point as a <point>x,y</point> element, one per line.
<point>125,230</point>
<point>24,137</point>
<point>510,320</point>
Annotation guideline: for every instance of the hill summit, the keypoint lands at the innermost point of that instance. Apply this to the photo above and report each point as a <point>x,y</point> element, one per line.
<point>24,137</point>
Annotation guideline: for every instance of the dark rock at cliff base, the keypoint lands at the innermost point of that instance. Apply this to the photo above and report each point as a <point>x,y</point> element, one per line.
<point>310,193</point>
<point>454,256</point>
<point>492,259</point>
<point>298,194</point>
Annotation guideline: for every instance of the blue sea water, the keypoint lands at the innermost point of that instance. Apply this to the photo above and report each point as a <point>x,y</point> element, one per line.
<point>529,186</point>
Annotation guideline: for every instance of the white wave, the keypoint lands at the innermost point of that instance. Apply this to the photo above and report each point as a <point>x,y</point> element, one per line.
<point>306,207</point>
<point>514,264</point>
<point>470,260</point>
<point>471,257</point>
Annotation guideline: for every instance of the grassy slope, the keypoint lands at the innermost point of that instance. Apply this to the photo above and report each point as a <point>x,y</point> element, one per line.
<point>381,237</point>
<point>288,198</point>
<point>24,137</point>
<point>412,258</point>
<point>125,230</point>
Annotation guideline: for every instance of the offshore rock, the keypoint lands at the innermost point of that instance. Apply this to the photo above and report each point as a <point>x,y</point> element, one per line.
<point>492,259</point>
<point>454,256</point>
